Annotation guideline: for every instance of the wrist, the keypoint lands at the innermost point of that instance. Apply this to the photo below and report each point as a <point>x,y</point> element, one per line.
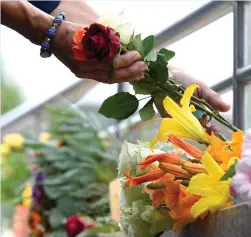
<point>40,24</point>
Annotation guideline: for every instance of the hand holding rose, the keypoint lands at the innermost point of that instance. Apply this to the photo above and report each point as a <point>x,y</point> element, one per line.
<point>98,42</point>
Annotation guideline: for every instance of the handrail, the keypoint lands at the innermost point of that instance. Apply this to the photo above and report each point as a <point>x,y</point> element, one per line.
<point>198,19</point>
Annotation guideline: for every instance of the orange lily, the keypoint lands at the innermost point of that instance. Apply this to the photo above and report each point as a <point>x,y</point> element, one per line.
<point>176,170</point>
<point>164,157</point>
<point>191,150</point>
<point>151,176</point>
<point>176,198</point>
<point>221,151</point>
<point>181,212</point>
<point>159,195</point>
<point>193,168</point>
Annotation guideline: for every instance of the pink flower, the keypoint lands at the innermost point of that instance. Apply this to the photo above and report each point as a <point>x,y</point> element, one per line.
<point>241,182</point>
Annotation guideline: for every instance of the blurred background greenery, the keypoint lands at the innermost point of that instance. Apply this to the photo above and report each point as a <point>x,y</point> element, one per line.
<point>11,93</point>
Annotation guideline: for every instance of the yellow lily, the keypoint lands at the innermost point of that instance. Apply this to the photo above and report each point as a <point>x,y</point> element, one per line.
<point>4,150</point>
<point>45,137</point>
<point>183,123</point>
<point>215,193</point>
<point>14,140</point>
<point>27,195</point>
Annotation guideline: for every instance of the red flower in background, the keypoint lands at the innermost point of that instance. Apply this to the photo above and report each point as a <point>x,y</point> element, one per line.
<point>97,42</point>
<point>76,225</point>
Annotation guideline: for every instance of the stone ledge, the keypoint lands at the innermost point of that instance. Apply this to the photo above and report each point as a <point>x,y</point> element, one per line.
<point>229,222</point>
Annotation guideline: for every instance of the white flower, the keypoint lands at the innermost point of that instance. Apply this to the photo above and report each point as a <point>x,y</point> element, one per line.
<point>120,25</point>
<point>241,182</point>
<point>138,217</point>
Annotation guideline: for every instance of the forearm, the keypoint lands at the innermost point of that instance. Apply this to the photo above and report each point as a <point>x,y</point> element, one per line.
<point>77,11</point>
<point>27,20</point>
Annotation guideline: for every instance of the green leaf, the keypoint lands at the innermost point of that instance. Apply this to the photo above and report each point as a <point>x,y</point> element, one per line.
<point>137,45</point>
<point>159,70</point>
<point>104,229</point>
<point>230,173</point>
<point>159,73</point>
<point>69,206</point>
<point>148,44</point>
<point>151,56</point>
<point>144,87</point>
<point>56,218</point>
<point>168,53</point>
<point>120,106</point>
<point>61,178</point>
<point>52,192</point>
<point>57,233</point>
<point>147,112</point>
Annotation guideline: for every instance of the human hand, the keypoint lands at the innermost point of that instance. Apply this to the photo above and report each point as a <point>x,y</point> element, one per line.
<point>126,67</point>
<point>203,92</point>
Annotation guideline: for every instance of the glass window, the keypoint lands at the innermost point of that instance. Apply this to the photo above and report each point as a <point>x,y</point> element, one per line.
<point>247,105</point>
<point>149,17</point>
<point>208,53</point>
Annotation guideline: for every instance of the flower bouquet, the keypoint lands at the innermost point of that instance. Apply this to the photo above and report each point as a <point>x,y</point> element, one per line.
<point>177,187</point>
<point>166,190</point>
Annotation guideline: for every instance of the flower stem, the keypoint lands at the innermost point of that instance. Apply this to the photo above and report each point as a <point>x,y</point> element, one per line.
<point>175,90</point>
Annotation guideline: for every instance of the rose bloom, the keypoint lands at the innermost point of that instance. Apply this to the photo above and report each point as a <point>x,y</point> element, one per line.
<point>97,42</point>
<point>75,225</point>
<point>241,182</point>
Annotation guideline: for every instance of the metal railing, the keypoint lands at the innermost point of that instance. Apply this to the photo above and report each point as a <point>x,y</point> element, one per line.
<point>205,15</point>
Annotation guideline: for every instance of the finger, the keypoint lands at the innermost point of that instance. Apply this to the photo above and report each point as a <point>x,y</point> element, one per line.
<point>126,59</point>
<point>213,129</point>
<point>98,75</point>
<point>128,79</point>
<point>95,65</point>
<point>212,98</point>
<point>102,76</point>
<point>130,71</point>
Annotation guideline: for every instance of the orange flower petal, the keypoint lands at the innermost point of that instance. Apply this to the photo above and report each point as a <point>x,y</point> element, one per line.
<point>191,150</point>
<point>158,197</point>
<point>151,176</point>
<point>164,157</point>
<point>78,35</point>
<point>78,54</point>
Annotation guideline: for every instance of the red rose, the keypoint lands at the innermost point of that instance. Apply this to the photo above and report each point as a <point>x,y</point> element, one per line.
<point>97,42</point>
<point>74,226</point>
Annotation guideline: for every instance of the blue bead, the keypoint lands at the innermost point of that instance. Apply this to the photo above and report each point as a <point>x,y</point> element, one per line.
<point>45,45</point>
<point>58,19</point>
<point>51,33</point>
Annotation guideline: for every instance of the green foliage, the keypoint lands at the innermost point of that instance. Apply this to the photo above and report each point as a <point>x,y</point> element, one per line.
<point>230,173</point>
<point>120,106</point>
<point>123,105</point>
<point>168,53</point>
<point>11,95</point>
<point>137,44</point>
<point>159,70</point>
<point>148,44</point>
<point>77,173</point>
<point>147,112</point>
<point>14,173</point>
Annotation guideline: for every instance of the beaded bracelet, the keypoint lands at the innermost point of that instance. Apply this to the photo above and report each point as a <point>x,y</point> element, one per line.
<point>45,46</point>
